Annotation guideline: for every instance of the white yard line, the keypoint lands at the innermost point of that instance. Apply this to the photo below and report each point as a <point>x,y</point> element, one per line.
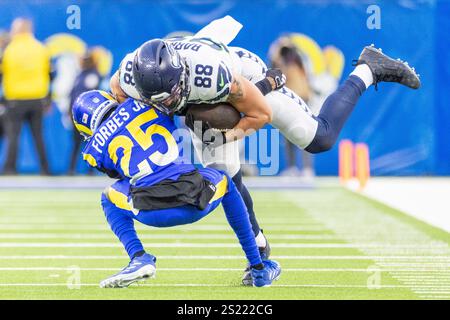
<point>400,239</point>
<point>383,246</point>
<point>324,286</point>
<point>207,236</point>
<point>364,270</point>
<point>432,260</point>
<point>87,184</point>
<point>103,226</point>
<point>37,221</point>
<point>34,217</point>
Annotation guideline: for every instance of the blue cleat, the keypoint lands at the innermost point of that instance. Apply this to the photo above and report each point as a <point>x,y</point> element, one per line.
<point>265,277</point>
<point>265,254</point>
<point>140,268</point>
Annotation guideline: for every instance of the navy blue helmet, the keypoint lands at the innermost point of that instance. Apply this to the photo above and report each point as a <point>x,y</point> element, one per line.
<point>161,76</point>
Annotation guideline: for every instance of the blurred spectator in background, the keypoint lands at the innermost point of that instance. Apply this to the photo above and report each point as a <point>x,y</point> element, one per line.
<point>313,74</point>
<point>4,39</point>
<point>88,79</point>
<point>26,82</point>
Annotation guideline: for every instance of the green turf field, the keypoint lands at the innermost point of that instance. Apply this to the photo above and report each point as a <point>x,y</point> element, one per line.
<point>331,243</point>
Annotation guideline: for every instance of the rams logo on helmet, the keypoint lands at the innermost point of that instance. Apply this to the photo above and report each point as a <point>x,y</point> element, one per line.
<point>89,109</point>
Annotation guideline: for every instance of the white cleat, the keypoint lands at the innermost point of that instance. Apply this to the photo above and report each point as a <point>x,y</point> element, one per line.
<point>124,280</point>
<point>139,268</point>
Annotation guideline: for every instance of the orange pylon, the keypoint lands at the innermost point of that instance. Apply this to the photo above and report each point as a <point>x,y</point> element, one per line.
<point>345,160</point>
<point>362,164</point>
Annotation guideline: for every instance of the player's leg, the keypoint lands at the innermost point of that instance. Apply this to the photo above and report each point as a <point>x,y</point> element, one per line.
<point>237,180</point>
<point>261,240</point>
<point>236,212</point>
<point>372,67</point>
<point>119,215</point>
<point>226,158</point>
<point>319,133</point>
<point>187,214</point>
<point>234,208</point>
<point>263,272</point>
<point>316,134</point>
<point>335,112</point>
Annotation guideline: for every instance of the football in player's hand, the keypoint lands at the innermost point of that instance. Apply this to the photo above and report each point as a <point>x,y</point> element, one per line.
<point>221,116</point>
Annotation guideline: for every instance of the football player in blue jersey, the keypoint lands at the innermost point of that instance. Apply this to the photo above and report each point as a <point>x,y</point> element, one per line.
<point>156,186</point>
<point>123,86</point>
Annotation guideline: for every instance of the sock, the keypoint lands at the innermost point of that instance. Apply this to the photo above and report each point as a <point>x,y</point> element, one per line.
<point>261,240</point>
<point>123,227</point>
<point>139,254</point>
<point>237,217</point>
<point>363,72</point>
<point>258,266</point>
<point>237,179</point>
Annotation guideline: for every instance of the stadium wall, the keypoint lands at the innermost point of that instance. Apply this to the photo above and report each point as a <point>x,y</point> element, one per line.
<point>407,131</point>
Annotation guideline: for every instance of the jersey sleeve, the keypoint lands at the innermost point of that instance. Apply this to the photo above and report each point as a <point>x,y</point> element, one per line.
<point>126,80</point>
<point>95,159</point>
<point>92,156</point>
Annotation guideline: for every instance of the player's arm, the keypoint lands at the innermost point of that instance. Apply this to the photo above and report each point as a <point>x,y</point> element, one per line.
<point>116,90</point>
<point>94,163</point>
<point>274,80</point>
<point>113,174</point>
<point>247,99</point>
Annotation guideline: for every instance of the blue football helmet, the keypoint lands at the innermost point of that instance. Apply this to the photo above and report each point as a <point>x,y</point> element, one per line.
<point>161,76</point>
<point>89,109</point>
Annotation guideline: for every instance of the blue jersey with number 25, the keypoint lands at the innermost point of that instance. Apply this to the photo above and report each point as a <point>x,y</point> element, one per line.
<point>137,142</point>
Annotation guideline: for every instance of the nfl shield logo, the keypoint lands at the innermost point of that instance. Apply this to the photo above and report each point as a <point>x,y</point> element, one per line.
<point>85,118</point>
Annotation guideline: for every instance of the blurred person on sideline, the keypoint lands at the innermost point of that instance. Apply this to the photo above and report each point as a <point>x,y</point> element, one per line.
<point>88,79</point>
<point>313,74</point>
<point>4,39</point>
<point>26,88</point>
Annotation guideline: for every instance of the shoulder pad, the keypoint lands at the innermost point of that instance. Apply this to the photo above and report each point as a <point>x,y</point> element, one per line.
<point>126,80</point>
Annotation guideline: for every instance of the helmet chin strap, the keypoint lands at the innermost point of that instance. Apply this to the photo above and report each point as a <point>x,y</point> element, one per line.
<point>186,88</point>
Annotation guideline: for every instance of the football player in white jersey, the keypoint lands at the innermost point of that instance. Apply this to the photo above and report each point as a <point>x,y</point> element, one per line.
<point>205,71</point>
<point>171,74</point>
